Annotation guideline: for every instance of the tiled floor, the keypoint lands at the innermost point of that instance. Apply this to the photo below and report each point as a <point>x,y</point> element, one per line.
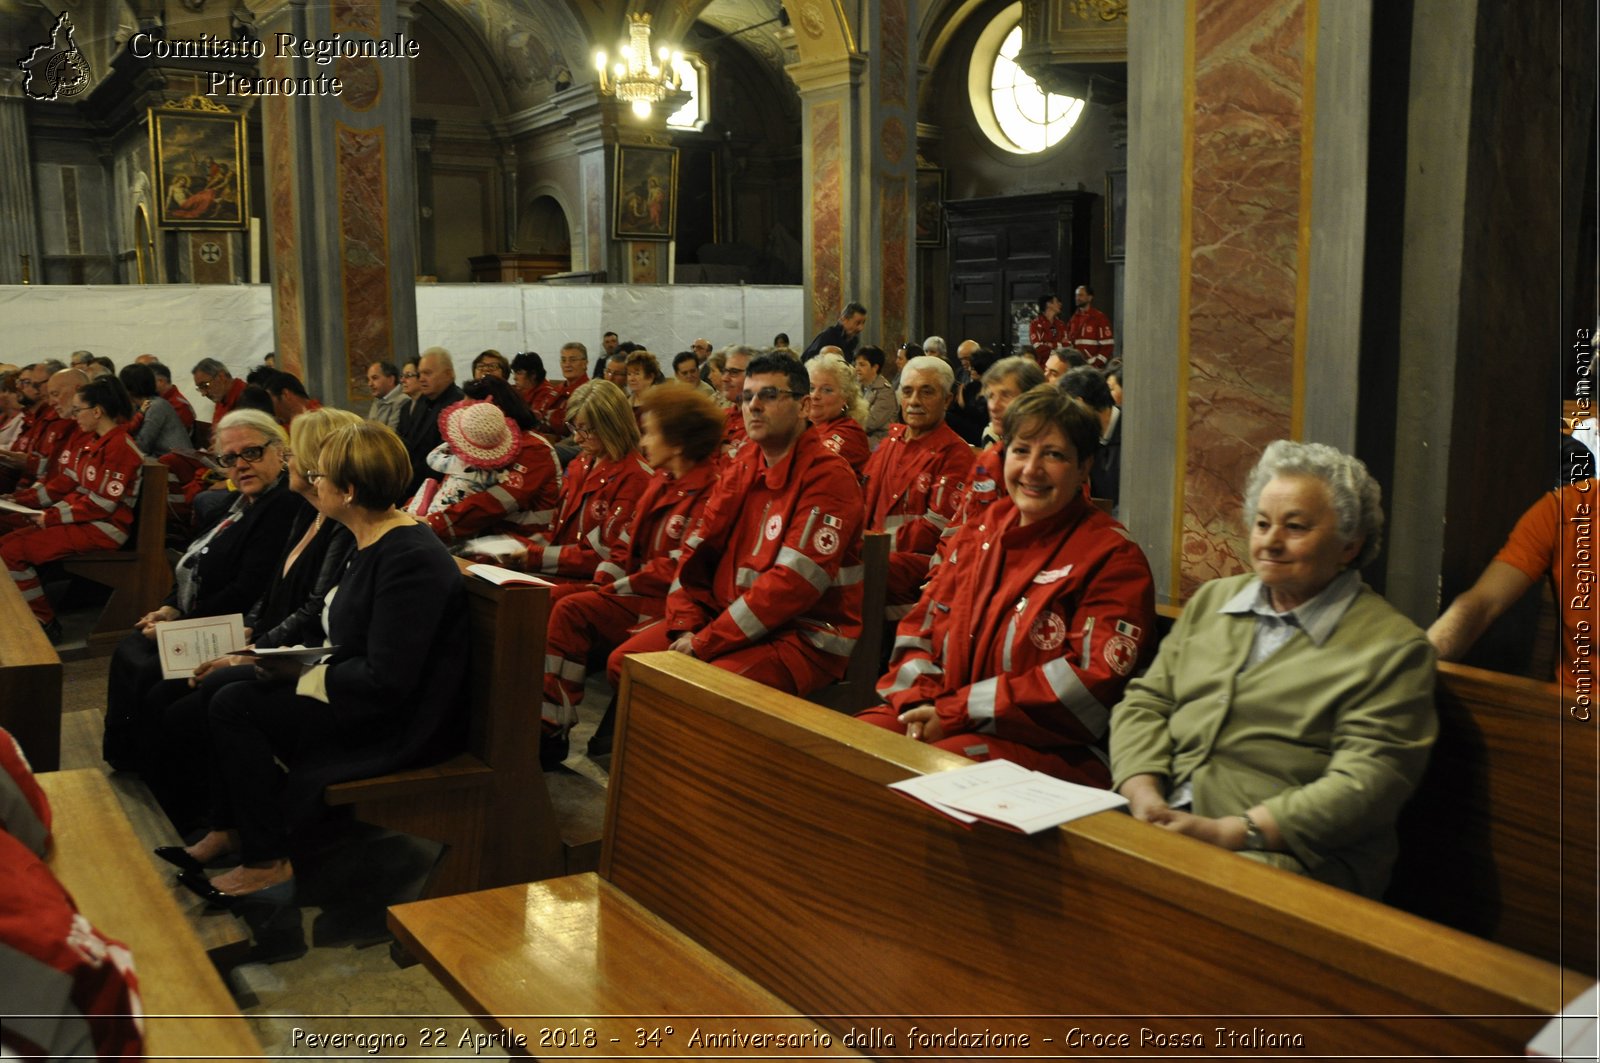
<point>336,987</point>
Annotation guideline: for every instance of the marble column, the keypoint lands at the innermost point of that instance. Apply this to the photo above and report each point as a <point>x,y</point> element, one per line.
<point>19,221</point>
<point>342,199</point>
<point>859,143</point>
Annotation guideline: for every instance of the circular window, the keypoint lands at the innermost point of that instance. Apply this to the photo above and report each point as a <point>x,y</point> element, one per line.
<point>1010,107</point>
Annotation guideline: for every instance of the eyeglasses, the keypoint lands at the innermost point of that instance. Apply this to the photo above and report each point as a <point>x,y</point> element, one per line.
<point>82,409</point>
<point>768,395</point>
<point>408,376</point>
<point>250,454</point>
<point>581,430</point>
<point>313,477</point>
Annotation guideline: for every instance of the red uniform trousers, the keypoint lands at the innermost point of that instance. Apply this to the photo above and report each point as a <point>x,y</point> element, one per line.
<point>786,661</point>
<point>583,620</point>
<point>22,550</point>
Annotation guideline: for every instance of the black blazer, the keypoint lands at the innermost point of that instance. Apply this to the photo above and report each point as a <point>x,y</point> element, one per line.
<point>290,612</point>
<point>234,568</point>
<point>422,432</point>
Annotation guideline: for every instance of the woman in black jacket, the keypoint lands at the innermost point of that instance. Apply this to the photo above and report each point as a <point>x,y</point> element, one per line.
<point>224,571</point>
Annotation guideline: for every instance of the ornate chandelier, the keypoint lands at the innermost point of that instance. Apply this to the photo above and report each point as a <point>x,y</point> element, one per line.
<point>636,78</point>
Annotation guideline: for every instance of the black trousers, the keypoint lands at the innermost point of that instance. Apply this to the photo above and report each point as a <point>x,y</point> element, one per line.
<point>136,699</point>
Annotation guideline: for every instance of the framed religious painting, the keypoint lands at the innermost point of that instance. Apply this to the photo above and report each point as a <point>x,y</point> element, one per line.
<point>930,207</point>
<point>646,193</point>
<point>1116,215</point>
<point>197,150</point>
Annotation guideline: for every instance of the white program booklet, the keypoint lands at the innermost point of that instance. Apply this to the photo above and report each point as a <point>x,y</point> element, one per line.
<point>502,576</point>
<point>303,654</point>
<point>1008,795</point>
<point>498,546</point>
<point>186,644</point>
<point>8,506</point>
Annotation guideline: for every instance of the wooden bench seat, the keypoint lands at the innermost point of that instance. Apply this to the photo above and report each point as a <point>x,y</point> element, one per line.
<point>778,848</point>
<point>489,805</point>
<point>859,688</point>
<point>30,682</point>
<point>139,574</point>
<point>188,1011</point>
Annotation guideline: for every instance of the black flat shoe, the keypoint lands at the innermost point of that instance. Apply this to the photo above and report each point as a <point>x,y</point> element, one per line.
<point>179,857</point>
<point>278,895</point>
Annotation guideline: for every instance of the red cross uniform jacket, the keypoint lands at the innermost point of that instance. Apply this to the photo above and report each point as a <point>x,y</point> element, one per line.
<point>1028,633</point>
<point>901,499</point>
<point>1045,334</point>
<point>733,437</point>
<point>776,551</point>
<point>1090,332</point>
<point>180,405</point>
<point>973,493</point>
<point>43,444</point>
<point>63,468</point>
<point>104,487</point>
<point>646,556</point>
<point>554,414</point>
<point>845,437</point>
<point>597,501</point>
<point>541,399</point>
<point>524,498</point>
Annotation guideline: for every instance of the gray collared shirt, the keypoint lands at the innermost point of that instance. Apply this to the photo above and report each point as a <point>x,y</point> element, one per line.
<point>390,409</point>
<point>1317,617</point>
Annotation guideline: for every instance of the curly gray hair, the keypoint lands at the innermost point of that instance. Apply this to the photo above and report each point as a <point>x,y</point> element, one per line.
<point>1355,495</point>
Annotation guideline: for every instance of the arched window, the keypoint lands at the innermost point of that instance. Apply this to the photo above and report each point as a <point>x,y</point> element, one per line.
<point>1010,107</point>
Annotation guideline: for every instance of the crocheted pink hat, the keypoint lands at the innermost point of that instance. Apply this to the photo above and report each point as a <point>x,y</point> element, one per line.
<point>479,433</point>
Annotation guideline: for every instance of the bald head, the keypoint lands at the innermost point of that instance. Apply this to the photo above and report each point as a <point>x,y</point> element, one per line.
<point>62,386</point>
<point>147,359</point>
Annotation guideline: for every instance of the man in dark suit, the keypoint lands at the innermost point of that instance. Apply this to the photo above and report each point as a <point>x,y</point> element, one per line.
<point>436,376</point>
<point>1088,386</point>
<point>843,334</point>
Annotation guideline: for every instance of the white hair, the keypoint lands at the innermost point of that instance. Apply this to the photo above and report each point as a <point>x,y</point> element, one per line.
<point>1356,498</point>
<point>927,363</point>
<point>844,378</point>
<point>935,344</point>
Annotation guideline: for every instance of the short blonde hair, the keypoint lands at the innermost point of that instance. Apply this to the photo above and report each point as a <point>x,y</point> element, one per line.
<point>309,430</point>
<point>263,422</point>
<point>610,415</point>
<point>368,462</point>
<point>844,378</point>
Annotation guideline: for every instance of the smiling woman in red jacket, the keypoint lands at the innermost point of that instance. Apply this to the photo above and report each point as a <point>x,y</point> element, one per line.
<point>1024,639</point>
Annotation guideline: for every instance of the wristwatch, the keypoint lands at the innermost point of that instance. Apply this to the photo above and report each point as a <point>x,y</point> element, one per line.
<point>1254,840</point>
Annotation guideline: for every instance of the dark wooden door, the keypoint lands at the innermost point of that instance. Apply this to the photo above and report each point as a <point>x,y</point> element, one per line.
<point>1005,253</point>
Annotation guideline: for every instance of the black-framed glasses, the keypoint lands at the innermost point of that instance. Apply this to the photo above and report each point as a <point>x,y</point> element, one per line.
<point>250,454</point>
<point>769,395</point>
<point>82,409</point>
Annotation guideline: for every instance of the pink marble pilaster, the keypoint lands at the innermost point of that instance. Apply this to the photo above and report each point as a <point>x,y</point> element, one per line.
<point>827,232</point>
<point>364,252</point>
<point>894,216</point>
<point>289,325</point>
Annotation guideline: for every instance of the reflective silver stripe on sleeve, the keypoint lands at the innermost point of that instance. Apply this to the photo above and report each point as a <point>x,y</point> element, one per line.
<point>748,623</point>
<point>625,536</point>
<point>692,541</point>
<point>674,554</point>
<point>811,521</point>
<point>806,568</point>
<point>676,586</point>
<point>551,559</point>
<point>912,642</point>
<point>504,497</point>
<point>980,703</point>
<point>829,642</point>
<point>893,522</point>
<point>907,673</point>
<point>938,520</point>
<point>1011,636</point>
<point>1088,644</point>
<point>745,578</point>
<point>535,519</point>
<point>103,502</point>
<point>1071,692</point>
<point>594,539</point>
<point>622,586</point>
<point>616,572</point>
<point>110,531</point>
<point>850,575</point>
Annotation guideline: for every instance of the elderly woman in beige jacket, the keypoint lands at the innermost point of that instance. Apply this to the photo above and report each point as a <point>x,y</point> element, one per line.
<point>1289,714</point>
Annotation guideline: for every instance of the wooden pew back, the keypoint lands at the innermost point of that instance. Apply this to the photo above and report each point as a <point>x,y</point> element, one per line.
<point>30,682</point>
<point>489,803</point>
<point>139,574</point>
<point>858,689</point>
<point>1512,778</point>
<point>762,827</point>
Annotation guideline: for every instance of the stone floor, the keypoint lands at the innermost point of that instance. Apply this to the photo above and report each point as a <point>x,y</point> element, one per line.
<point>346,982</point>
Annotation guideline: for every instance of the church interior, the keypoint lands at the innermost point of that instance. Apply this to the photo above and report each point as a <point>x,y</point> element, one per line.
<point>1362,223</point>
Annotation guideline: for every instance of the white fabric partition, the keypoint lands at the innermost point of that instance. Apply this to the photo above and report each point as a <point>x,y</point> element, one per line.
<point>183,323</point>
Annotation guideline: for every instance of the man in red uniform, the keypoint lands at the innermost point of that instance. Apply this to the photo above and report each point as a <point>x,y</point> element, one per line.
<point>167,390</point>
<point>574,374</point>
<point>736,361</point>
<point>769,584</point>
<point>1025,639</point>
<point>212,379</point>
<point>1047,331</point>
<point>1090,330</point>
<point>97,513</point>
<point>912,479</point>
<point>46,428</point>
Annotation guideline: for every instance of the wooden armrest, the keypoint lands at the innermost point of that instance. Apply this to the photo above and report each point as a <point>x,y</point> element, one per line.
<point>459,772</point>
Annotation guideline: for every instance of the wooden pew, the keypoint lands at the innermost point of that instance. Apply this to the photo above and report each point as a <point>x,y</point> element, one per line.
<point>30,682</point>
<point>858,690</point>
<point>139,574</point>
<point>489,805</point>
<point>777,849</point>
<point>188,1011</point>
<point>1499,839</point>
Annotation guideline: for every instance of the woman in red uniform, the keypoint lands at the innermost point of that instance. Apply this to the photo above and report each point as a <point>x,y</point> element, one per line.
<point>602,488</point>
<point>87,506</point>
<point>1047,331</point>
<point>682,428</point>
<point>838,411</point>
<point>1024,640</point>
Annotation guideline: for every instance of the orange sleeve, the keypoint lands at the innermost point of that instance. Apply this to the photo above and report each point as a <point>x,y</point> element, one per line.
<point>1532,546</point>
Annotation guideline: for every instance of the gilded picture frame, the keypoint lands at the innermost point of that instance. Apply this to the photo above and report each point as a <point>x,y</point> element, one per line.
<point>645,196</point>
<point>930,207</point>
<point>199,160</point>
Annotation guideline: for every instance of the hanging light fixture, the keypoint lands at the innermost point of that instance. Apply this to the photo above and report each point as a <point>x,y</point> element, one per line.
<point>635,77</point>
